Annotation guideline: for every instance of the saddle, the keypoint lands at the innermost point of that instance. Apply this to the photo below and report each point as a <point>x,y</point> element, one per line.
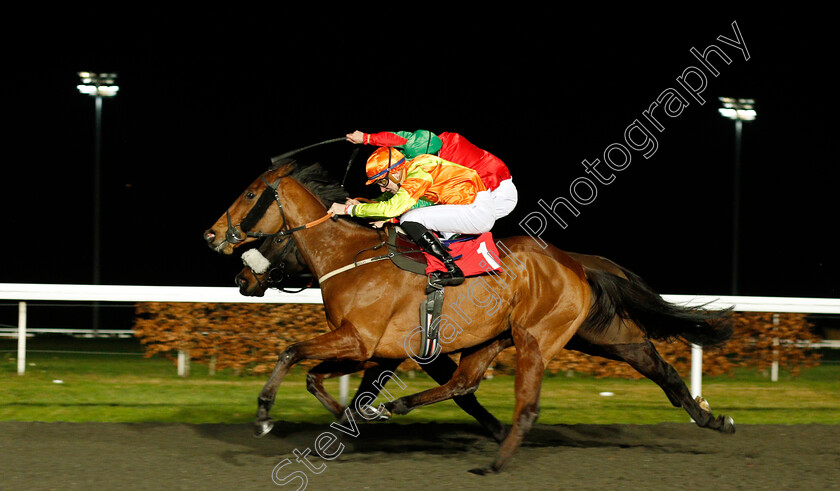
<point>404,253</point>
<point>474,254</point>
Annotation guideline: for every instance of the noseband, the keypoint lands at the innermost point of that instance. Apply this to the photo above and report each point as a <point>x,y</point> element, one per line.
<point>276,274</point>
<point>273,281</point>
<point>254,215</point>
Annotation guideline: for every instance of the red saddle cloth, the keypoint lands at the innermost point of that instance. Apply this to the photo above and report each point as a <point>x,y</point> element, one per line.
<point>475,255</point>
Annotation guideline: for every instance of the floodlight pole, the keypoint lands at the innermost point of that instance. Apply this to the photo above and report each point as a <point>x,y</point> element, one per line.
<point>736,206</point>
<point>97,85</point>
<point>97,193</point>
<point>739,110</point>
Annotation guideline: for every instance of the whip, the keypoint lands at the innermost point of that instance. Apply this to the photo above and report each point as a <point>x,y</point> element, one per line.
<point>276,159</point>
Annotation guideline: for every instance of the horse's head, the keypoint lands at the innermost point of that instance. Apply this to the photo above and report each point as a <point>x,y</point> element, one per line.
<point>272,265</point>
<point>259,211</point>
<point>255,213</point>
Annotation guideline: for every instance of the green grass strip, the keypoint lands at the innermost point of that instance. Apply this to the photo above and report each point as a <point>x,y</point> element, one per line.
<point>78,387</point>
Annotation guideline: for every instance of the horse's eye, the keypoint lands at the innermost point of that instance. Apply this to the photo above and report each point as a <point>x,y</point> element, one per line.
<point>249,195</point>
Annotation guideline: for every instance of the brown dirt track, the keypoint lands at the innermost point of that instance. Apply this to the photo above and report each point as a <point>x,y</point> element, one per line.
<point>418,456</point>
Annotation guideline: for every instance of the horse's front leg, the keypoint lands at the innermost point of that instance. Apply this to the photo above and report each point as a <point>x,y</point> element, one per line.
<point>341,344</point>
<point>328,369</point>
<point>528,382</point>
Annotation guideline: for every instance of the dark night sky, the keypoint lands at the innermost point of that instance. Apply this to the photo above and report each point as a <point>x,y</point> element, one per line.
<point>199,114</point>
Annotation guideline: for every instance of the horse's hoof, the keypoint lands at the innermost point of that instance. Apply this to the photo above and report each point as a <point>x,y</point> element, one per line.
<point>372,414</point>
<point>383,414</point>
<point>263,428</point>
<point>728,425</point>
<point>483,471</point>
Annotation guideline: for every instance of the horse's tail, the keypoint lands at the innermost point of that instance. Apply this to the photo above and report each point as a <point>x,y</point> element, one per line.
<point>633,299</point>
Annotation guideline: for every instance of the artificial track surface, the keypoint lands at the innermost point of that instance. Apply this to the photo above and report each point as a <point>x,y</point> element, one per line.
<point>417,456</point>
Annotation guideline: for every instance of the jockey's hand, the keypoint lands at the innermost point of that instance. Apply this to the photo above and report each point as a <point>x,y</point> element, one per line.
<point>351,201</point>
<point>378,223</point>
<point>356,137</point>
<point>337,209</point>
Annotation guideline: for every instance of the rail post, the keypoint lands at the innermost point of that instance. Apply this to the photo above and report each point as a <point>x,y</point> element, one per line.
<point>343,389</point>
<point>696,370</point>
<point>21,354</point>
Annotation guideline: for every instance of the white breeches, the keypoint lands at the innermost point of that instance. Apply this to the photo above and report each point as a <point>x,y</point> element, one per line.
<point>475,218</point>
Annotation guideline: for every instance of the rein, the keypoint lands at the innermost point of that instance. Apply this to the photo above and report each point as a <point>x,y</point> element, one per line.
<point>233,235</point>
<point>290,231</point>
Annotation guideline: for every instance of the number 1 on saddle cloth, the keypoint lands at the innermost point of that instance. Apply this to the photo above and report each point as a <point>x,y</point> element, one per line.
<point>475,255</point>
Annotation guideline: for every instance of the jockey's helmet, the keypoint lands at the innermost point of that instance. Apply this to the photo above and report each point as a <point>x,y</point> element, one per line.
<point>382,162</point>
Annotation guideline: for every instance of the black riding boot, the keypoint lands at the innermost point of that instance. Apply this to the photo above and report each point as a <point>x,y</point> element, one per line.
<point>431,244</point>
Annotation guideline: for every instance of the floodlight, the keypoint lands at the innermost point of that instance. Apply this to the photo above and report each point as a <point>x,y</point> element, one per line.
<point>742,109</point>
<point>98,84</point>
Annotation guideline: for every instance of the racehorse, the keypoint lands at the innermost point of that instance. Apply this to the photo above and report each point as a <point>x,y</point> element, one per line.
<point>545,297</point>
<point>621,339</point>
<point>281,261</point>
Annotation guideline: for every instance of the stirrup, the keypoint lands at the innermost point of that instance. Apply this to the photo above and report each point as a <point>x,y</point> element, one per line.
<point>432,284</point>
<point>430,310</point>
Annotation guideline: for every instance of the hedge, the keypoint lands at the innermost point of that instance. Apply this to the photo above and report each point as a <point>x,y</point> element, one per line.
<point>248,337</point>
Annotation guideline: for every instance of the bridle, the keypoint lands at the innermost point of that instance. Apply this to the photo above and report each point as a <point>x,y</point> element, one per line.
<point>254,215</point>
<point>234,236</point>
<point>269,195</point>
<point>277,275</point>
<point>273,282</point>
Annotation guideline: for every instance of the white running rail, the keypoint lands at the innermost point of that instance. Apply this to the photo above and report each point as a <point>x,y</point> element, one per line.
<point>23,292</point>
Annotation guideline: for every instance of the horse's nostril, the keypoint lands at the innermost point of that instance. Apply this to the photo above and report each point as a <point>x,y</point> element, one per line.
<point>209,236</point>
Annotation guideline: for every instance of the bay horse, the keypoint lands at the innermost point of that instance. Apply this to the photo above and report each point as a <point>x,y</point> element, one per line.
<point>621,340</point>
<point>282,262</point>
<point>543,302</point>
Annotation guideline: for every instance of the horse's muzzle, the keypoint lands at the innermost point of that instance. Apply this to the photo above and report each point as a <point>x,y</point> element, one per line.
<point>220,246</point>
<point>246,288</point>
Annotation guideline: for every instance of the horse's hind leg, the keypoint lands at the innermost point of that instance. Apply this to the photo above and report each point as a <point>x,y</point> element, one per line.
<point>316,376</point>
<point>442,370</point>
<point>460,385</point>
<point>647,361</point>
<point>372,383</point>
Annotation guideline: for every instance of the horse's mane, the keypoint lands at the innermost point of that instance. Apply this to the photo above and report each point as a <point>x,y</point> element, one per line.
<point>316,179</point>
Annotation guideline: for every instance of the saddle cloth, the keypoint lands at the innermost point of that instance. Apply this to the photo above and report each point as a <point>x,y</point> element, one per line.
<point>474,254</point>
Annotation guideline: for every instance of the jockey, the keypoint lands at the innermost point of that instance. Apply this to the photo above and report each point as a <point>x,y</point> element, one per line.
<point>451,147</point>
<point>461,204</point>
